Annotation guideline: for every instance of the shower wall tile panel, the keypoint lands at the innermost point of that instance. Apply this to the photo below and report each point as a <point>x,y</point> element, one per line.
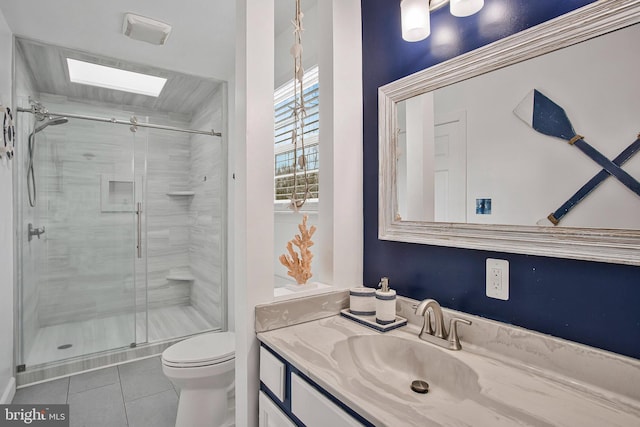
<point>168,164</point>
<point>207,180</point>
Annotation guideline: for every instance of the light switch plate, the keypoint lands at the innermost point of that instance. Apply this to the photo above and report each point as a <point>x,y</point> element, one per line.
<point>497,280</point>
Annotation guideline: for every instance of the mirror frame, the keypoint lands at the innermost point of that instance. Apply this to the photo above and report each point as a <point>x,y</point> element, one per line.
<point>618,246</point>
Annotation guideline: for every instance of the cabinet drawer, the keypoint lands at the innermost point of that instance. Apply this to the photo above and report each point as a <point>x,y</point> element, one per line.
<point>316,410</point>
<point>271,415</point>
<point>272,373</point>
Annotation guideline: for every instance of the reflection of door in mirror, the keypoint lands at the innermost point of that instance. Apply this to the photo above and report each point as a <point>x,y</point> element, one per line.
<point>450,153</point>
<point>431,162</point>
<point>415,159</point>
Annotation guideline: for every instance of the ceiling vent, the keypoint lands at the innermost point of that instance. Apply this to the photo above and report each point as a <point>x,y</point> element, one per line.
<point>145,29</point>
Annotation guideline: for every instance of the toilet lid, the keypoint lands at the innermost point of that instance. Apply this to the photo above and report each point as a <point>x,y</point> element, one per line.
<point>201,350</point>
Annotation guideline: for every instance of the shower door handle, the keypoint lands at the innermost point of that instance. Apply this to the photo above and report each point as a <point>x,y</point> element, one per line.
<point>139,213</point>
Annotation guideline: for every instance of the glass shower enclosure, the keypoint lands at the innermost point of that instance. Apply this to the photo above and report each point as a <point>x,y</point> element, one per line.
<point>119,233</point>
<point>78,233</point>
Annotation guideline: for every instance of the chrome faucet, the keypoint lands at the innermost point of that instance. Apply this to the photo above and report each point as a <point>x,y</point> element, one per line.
<point>437,334</point>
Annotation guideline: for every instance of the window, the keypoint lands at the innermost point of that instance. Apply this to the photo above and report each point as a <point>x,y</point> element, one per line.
<point>284,151</point>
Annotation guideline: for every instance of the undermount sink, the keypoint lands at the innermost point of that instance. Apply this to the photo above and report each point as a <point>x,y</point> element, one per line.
<point>392,363</point>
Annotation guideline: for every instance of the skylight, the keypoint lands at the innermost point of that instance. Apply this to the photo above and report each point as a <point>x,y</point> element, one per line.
<point>87,73</point>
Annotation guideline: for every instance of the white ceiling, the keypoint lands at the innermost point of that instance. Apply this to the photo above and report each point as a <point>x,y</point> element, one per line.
<point>202,41</point>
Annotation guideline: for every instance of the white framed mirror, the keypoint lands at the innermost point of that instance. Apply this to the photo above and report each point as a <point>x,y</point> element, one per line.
<point>479,177</point>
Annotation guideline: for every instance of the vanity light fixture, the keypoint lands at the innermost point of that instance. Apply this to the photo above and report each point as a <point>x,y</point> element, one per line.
<point>416,24</point>
<point>462,8</point>
<point>415,15</point>
<point>87,73</point>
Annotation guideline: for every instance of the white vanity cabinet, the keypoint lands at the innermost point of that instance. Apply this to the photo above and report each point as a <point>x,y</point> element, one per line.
<point>288,399</point>
<point>271,415</point>
<point>314,409</point>
<point>272,373</point>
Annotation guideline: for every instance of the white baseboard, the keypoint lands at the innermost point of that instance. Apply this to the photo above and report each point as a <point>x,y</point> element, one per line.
<point>9,392</point>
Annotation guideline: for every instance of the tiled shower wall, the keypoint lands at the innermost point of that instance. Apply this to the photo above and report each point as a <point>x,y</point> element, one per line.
<point>207,238</point>
<point>168,165</point>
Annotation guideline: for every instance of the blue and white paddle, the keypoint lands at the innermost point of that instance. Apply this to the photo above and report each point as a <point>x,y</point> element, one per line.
<point>584,191</point>
<point>548,118</point>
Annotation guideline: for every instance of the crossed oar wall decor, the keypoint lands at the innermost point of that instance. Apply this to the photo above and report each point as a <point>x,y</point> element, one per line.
<point>548,118</point>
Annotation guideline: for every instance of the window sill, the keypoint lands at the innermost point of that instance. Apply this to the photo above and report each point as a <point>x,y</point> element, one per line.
<point>282,293</point>
<point>310,207</point>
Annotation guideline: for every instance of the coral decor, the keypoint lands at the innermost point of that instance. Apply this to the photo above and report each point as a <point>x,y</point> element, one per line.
<point>300,265</point>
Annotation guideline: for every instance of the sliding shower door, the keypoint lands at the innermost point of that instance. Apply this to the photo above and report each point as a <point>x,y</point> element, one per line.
<point>80,240</point>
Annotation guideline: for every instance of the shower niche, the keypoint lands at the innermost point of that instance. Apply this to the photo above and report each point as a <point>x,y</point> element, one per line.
<point>134,253</point>
<point>116,193</point>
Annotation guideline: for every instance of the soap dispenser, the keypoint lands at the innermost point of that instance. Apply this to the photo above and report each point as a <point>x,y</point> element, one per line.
<point>385,303</point>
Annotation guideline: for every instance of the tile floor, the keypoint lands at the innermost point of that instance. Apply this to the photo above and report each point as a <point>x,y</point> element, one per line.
<point>135,394</point>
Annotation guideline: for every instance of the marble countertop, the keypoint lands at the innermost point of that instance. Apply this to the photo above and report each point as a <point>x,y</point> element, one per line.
<point>510,392</point>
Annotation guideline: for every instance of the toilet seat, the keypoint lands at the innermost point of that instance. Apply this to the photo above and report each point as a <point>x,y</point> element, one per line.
<point>202,350</point>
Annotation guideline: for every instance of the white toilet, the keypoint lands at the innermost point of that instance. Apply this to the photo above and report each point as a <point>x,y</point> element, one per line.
<point>202,368</point>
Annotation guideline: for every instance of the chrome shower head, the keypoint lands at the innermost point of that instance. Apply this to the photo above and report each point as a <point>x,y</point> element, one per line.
<point>53,122</point>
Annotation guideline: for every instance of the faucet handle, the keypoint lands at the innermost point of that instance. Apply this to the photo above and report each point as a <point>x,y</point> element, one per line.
<point>454,341</point>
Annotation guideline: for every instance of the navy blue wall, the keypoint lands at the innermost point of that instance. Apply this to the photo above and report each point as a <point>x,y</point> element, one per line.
<point>593,303</point>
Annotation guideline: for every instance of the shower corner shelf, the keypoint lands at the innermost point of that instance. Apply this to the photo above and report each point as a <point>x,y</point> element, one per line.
<point>182,274</point>
<point>181,193</point>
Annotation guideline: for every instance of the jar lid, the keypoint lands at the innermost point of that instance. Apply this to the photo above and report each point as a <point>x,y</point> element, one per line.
<point>362,292</point>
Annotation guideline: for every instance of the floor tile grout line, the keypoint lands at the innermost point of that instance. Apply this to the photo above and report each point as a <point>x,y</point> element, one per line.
<point>89,390</point>
<point>124,404</point>
<point>69,393</point>
<point>149,395</point>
